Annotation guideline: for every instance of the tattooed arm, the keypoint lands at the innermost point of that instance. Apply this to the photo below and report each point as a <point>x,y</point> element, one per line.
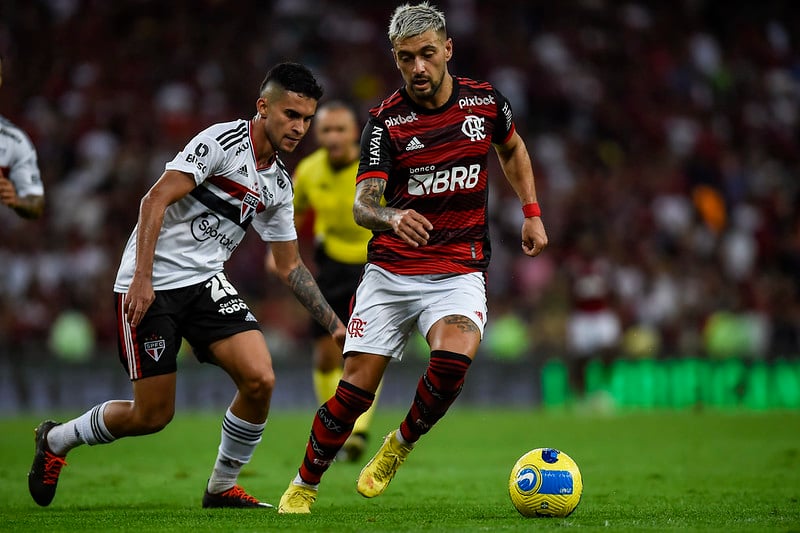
<point>409,225</point>
<point>293,272</point>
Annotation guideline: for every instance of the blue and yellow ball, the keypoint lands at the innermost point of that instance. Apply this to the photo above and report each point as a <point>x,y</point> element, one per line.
<point>545,482</point>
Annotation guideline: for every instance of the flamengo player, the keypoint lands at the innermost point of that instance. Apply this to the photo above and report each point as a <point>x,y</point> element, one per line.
<point>425,151</point>
<point>171,285</point>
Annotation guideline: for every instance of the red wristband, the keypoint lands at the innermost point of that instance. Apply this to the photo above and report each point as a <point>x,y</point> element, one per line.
<point>531,210</point>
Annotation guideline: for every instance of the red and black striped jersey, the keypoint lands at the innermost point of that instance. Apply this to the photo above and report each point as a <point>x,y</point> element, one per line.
<point>435,162</point>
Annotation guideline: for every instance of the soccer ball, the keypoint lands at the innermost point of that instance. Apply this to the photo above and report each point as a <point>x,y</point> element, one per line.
<point>545,482</point>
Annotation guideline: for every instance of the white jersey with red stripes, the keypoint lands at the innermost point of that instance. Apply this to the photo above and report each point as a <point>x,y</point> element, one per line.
<point>201,230</point>
<point>18,160</point>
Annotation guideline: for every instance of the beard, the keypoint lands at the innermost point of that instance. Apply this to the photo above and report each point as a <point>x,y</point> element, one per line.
<point>430,92</point>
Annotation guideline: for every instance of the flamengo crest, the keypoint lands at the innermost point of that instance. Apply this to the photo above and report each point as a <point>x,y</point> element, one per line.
<point>473,128</point>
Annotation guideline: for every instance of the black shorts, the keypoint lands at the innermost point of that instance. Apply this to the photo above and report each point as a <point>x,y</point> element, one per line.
<point>337,282</point>
<point>201,313</point>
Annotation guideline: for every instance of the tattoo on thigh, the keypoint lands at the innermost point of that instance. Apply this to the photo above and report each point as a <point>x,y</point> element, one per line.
<point>463,323</point>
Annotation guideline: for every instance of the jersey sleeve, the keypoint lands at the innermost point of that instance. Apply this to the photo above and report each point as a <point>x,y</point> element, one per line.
<point>24,173</point>
<point>276,224</point>
<point>504,125</point>
<point>376,157</point>
<point>201,158</point>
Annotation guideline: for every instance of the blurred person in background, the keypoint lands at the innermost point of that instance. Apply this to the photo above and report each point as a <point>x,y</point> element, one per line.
<point>324,189</point>
<point>425,151</point>
<point>594,328</point>
<point>171,285</point>
<point>21,187</point>
<point>22,191</point>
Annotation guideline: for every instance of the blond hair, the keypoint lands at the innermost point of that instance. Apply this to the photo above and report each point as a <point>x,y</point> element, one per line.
<point>409,21</point>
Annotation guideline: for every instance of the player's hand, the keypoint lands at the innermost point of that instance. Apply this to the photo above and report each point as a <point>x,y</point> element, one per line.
<point>339,335</point>
<point>8,194</point>
<point>412,227</point>
<point>534,238</point>
<point>138,299</point>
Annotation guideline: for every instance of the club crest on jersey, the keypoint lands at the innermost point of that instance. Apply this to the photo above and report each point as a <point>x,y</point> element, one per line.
<point>249,205</point>
<point>155,348</point>
<point>356,326</point>
<point>473,128</point>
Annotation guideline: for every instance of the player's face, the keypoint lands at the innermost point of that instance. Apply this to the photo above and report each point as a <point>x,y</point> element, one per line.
<point>422,61</point>
<point>288,116</point>
<point>337,132</point>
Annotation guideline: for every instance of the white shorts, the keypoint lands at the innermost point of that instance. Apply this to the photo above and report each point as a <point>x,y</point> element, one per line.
<point>589,333</point>
<point>388,306</point>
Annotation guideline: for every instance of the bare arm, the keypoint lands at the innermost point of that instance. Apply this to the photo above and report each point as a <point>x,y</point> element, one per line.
<point>30,206</point>
<point>171,187</point>
<point>269,258</point>
<point>516,164</point>
<point>293,272</point>
<point>368,212</point>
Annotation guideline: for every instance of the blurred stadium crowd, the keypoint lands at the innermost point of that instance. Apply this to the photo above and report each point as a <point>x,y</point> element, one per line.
<point>664,137</point>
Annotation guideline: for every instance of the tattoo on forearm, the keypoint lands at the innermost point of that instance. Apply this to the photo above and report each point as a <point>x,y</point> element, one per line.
<point>368,211</point>
<point>307,293</point>
<point>463,323</point>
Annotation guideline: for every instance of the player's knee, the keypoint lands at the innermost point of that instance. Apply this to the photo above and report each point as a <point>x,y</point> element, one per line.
<point>155,420</point>
<point>258,387</point>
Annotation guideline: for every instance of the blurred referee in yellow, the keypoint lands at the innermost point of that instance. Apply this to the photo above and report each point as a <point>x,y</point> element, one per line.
<point>325,187</point>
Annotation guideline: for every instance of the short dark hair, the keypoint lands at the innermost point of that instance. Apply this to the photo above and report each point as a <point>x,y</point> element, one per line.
<point>293,77</point>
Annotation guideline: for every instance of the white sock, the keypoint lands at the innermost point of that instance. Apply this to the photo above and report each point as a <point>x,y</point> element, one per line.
<point>239,441</point>
<point>299,481</point>
<point>89,428</point>
<point>400,439</point>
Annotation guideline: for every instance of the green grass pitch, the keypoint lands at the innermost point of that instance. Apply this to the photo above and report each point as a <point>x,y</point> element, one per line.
<point>643,471</point>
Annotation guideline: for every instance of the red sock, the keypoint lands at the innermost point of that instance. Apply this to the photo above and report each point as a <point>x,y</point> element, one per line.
<point>437,389</point>
<point>331,427</point>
